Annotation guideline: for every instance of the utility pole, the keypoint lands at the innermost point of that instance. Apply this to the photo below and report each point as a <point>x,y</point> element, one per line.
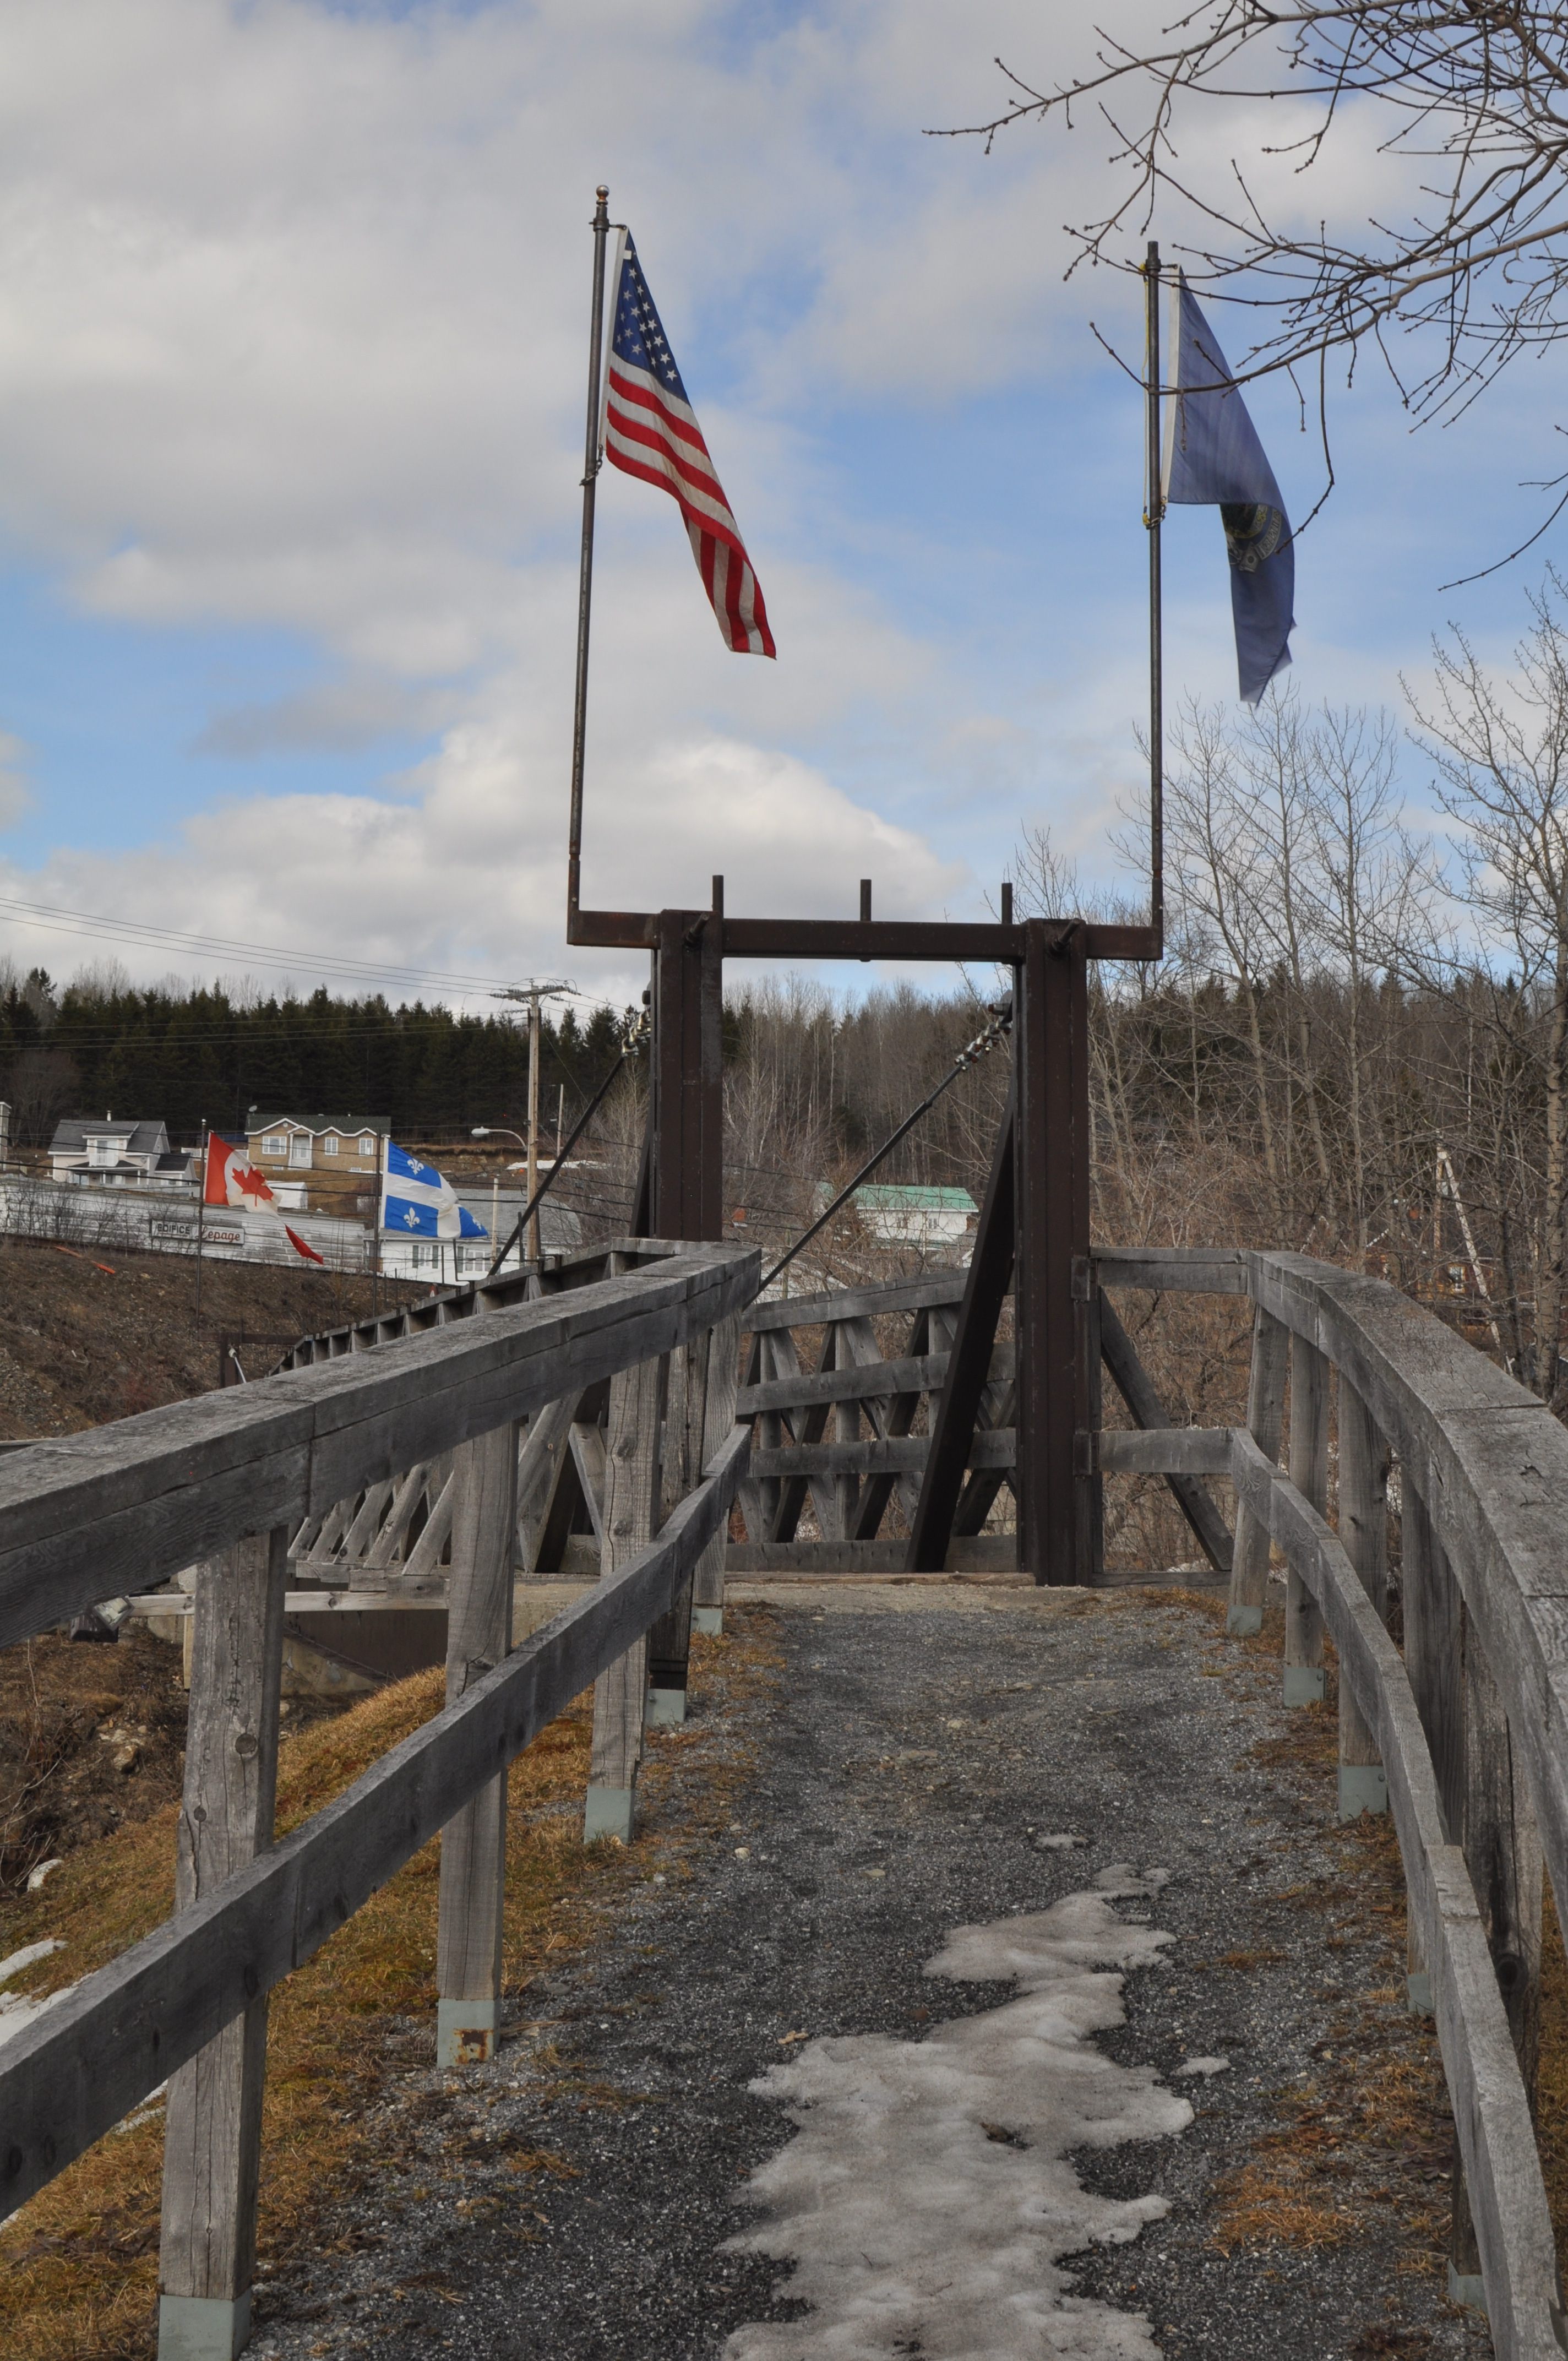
<point>530,995</point>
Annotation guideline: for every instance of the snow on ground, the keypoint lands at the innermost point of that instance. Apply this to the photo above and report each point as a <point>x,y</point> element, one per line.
<point>927,2200</point>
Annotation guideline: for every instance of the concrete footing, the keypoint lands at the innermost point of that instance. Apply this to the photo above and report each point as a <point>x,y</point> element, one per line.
<point>1244,1623</point>
<point>203,2327</point>
<point>1418,1993</point>
<point>1304,1684</point>
<point>1363,1787</point>
<point>666,1708</point>
<point>609,1812</point>
<point>709,1620</point>
<point>468,2032</point>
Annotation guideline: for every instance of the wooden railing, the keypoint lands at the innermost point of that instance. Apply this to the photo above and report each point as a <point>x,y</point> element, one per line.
<point>230,1481</point>
<point>1464,1735</point>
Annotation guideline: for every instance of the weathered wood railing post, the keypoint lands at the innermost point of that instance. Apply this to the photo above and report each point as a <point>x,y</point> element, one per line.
<point>631,1500</point>
<point>1433,1665</point>
<point>473,1846</point>
<point>1264,1417</point>
<point>1502,1852</point>
<point>212,2145</point>
<point>1304,1680</point>
<point>723,1379</point>
<point>1364,1535</point>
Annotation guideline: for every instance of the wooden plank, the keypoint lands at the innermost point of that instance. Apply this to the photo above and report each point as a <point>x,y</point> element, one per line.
<point>985,1551</point>
<point>631,1507</point>
<point>1310,1474</point>
<point>92,2057</point>
<point>844,1424</point>
<point>1364,1531</point>
<point>857,1302</point>
<point>423,1561</point>
<point>399,1516</point>
<point>1490,2105</point>
<point>1136,1387</point>
<point>1185,1452</point>
<point>125,1505</point>
<point>1264,1418</point>
<point>1183,1270</point>
<point>473,1843</point>
<point>718,1426</point>
<point>587,1449</point>
<point>954,1415</point>
<point>890,1416</point>
<point>807,1426</point>
<point>923,1375</point>
<point>212,2145</point>
<point>669,1641</point>
<point>537,1469</point>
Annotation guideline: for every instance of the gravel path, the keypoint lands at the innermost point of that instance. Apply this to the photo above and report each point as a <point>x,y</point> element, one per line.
<point>575,2201</point>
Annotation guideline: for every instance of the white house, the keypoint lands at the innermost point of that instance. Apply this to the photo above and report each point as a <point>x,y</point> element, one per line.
<point>896,1215</point>
<point>447,1262</point>
<point>126,1153</point>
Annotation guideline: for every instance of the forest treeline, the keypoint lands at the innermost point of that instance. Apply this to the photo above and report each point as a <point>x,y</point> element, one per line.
<point>197,1058</point>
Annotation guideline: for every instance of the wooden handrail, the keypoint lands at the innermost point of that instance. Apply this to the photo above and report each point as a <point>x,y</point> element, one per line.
<point>82,2065</point>
<point>124,1506</point>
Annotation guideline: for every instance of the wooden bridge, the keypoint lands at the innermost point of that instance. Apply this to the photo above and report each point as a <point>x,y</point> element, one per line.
<point>617,1414</point>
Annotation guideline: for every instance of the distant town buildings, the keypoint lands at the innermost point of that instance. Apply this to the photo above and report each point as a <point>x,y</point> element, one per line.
<point>895,1213</point>
<point>131,1153</point>
<point>326,1146</point>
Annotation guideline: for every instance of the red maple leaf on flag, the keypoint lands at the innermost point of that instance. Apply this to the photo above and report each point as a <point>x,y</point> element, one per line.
<point>250,1183</point>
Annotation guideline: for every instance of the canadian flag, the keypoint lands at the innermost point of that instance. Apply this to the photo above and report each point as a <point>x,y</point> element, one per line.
<point>233,1180</point>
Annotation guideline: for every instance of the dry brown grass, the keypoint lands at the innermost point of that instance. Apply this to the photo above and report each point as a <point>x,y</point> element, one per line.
<point>81,2261</point>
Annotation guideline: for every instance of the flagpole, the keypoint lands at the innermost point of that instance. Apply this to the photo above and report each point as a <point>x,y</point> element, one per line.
<point>586,573</point>
<point>1152,516</point>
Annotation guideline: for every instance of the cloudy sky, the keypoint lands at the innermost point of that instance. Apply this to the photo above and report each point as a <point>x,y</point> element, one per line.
<point>292,342</point>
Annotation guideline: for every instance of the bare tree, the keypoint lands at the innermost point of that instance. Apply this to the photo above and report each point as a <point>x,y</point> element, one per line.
<point>1474,97</point>
<point>1501,753</point>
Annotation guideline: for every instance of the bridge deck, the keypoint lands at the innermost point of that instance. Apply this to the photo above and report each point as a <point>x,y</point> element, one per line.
<point>920,1744</point>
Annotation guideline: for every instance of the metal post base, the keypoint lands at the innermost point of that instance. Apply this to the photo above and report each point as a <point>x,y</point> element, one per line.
<point>609,1812</point>
<point>709,1620</point>
<point>1363,1787</point>
<point>1418,1993</point>
<point>203,2327</point>
<point>468,2032</point>
<point>666,1708</point>
<point>1467,2288</point>
<point>1304,1684</point>
<point>1244,1623</point>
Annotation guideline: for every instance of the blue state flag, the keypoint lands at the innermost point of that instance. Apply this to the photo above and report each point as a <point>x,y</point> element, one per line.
<point>1213,458</point>
<point>416,1200</point>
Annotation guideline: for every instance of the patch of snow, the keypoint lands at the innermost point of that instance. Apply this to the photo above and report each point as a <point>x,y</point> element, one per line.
<point>40,1877</point>
<point>1204,2066</point>
<point>26,1957</point>
<point>926,2200</point>
<point>1062,1843</point>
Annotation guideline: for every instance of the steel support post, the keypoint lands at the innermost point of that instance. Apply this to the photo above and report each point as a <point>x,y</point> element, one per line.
<point>1059,1494</point>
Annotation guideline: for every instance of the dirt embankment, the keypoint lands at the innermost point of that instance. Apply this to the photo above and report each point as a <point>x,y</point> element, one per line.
<point>87,1337</point>
<point>91,1736</point>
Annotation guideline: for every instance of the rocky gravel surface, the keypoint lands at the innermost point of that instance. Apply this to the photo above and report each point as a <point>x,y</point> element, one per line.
<point>921,1765</point>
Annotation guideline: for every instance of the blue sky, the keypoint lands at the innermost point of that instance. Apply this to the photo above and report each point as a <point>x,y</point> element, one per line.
<point>293,319</point>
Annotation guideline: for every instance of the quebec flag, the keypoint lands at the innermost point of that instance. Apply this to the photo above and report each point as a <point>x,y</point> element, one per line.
<point>416,1200</point>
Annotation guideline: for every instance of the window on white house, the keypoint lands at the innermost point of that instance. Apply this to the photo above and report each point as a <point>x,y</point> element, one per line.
<point>425,1257</point>
<point>330,1143</point>
<point>275,1144</point>
<point>103,1151</point>
<point>300,1144</point>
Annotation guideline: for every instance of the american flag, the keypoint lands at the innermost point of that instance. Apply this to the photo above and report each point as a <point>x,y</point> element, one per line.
<point>651,430</point>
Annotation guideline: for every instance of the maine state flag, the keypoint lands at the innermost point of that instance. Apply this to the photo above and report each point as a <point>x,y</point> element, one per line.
<point>1213,459</point>
<point>417,1200</point>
